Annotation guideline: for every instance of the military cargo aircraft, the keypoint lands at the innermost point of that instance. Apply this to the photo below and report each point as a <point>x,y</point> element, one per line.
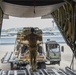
<point>64,14</point>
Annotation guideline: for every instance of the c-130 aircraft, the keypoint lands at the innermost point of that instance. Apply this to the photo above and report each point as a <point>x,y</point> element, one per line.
<point>63,12</point>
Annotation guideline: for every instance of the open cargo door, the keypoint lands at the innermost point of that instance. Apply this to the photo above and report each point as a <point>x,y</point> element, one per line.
<point>65,18</point>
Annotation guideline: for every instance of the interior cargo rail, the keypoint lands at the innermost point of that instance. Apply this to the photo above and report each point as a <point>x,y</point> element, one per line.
<point>70,71</point>
<point>50,71</point>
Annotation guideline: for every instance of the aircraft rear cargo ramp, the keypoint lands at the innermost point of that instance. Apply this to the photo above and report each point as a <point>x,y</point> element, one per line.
<point>50,71</point>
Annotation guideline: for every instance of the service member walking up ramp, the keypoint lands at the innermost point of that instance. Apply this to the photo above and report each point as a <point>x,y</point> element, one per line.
<point>32,39</point>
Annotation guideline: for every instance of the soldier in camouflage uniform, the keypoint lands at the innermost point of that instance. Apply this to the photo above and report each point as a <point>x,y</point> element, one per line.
<point>32,39</point>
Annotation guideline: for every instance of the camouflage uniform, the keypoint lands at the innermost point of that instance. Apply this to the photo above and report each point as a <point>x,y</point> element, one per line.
<point>32,39</point>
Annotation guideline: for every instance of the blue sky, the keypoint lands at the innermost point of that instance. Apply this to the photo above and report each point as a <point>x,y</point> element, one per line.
<point>26,22</point>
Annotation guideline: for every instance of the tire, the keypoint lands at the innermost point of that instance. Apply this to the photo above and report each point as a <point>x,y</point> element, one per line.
<point>59,63</point>
<point>41,65</point>
<point>11,66</point>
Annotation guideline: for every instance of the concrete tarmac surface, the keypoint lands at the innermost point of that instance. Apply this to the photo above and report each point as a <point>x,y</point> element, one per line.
<point>66,57</point>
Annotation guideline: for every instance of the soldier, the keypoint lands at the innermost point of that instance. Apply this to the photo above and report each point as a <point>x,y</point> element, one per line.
<point>32,39</point>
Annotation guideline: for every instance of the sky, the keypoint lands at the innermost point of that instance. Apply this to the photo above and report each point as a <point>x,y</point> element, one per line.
<point>14,22</point>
